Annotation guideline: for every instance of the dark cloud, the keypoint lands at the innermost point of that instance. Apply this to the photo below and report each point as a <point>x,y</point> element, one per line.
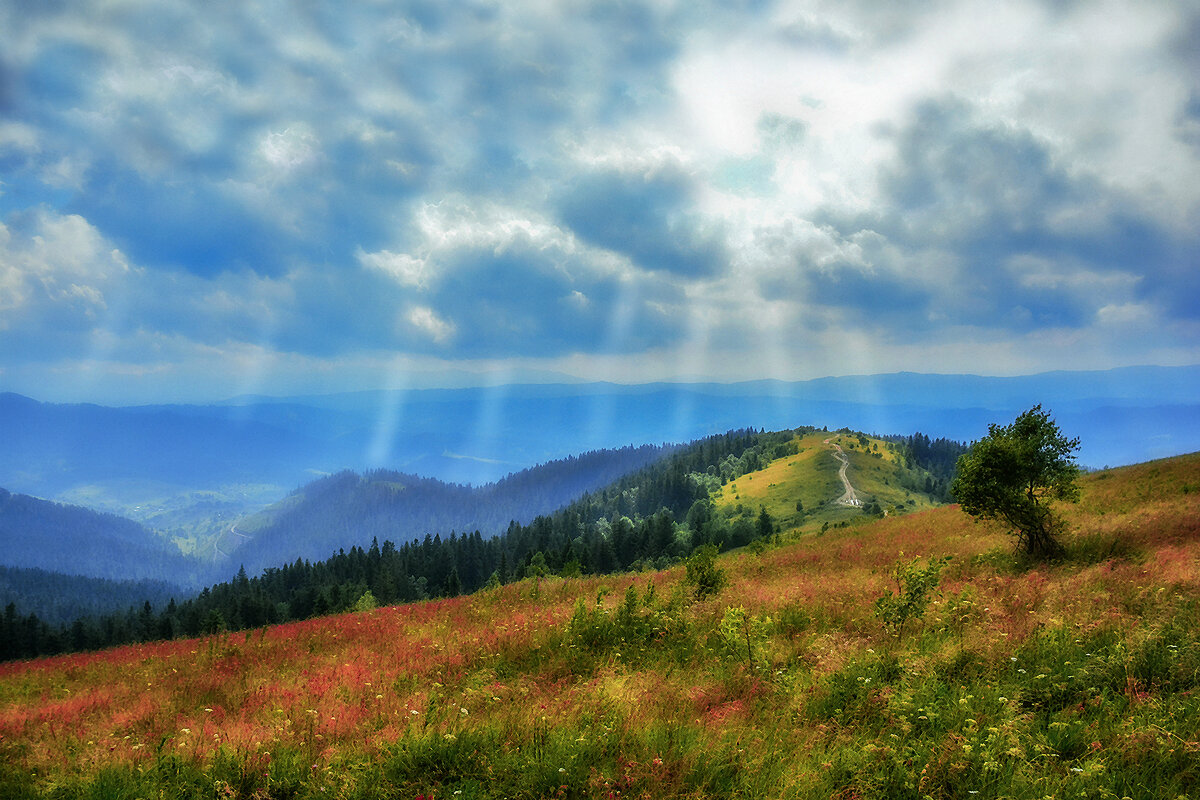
<point>180,224</point>
<point>875,299</point>
<point>993,200</point>
<point>650,219</point>
<point>528,300</point>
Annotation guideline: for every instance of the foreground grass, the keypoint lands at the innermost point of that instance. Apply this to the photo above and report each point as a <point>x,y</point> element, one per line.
<point>1074,680</point>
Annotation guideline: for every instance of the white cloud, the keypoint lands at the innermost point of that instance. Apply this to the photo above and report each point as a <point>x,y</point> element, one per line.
<point>289,149</point>
<point>401,267</point>
<point>428,323</point>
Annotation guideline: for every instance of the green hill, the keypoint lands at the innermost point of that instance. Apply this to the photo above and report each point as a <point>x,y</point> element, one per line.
<point>876,470</point>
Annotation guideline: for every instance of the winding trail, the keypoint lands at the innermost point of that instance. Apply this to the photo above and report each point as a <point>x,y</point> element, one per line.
<point>217,551</point>
<point>849,497</point>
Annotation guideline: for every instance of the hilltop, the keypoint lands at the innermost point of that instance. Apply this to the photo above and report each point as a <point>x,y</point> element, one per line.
<point>1072,679</point>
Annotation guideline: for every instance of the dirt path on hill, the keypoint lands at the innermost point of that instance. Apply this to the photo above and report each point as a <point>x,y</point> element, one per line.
<point>217,542</point>
<point>849,497</point>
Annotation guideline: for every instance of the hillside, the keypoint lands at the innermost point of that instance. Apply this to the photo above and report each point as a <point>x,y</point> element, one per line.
<point>800,491</point>
<point>56,537</point>
<point>336,512</point>
<point>61,599</point>
<point>1077,679</point>
<point>348,510</point>
<point>650,517</point>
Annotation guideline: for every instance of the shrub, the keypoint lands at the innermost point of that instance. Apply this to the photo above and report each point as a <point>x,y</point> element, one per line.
<point>703,575</point>
<point>914,587</point>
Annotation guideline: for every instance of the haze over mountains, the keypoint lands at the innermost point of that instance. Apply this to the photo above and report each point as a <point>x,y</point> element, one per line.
<point>191,474</point>
<point>478,435</point>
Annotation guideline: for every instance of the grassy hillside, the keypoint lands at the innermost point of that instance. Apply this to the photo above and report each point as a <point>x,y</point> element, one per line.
<point>811,476</point>
<point>1073,680</point>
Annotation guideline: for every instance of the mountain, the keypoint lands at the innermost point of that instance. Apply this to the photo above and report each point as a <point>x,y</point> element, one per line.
<point>60,599</point>
<point>50,448</point>
<point>338,511</point>
<point>479,435</point>
<point>40,534</point>
<point>738,488</point>
<point>347,509</point>
<point>1067,679</point>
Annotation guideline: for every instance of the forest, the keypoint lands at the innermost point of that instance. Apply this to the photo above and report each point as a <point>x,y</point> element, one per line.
<point>649,518</point>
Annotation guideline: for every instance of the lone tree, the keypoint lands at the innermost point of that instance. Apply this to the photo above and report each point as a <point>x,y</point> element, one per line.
<point>1014,472</point>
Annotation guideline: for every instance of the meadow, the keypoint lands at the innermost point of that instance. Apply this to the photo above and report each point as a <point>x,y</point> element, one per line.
<point>1078,679</point>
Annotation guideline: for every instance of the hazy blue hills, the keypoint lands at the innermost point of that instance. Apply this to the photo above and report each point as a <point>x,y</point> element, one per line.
<point>478,435</point>
<point>323,516</point>
<point>49,447</point>
<point>49,536</point>
<point>348,509</point>
<point>191,472</point>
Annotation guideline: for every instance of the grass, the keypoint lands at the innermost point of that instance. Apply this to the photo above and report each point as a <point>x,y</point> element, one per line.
<point>811,476</point>
<point>1078,679</point>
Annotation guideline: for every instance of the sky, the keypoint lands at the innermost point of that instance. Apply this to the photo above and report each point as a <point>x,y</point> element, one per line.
<point>201,200</point>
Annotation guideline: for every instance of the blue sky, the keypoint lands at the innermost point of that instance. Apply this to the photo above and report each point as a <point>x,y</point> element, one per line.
<point>199,200</point>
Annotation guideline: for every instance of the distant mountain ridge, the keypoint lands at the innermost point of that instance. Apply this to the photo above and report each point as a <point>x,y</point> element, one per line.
<point>323,516</point>
<point>348,509</point>
<point>102,455</point>
<point>39,534</point>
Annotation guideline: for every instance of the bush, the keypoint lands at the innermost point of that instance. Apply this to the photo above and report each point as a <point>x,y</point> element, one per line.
<point>915,585</point>
<point>703,575</point>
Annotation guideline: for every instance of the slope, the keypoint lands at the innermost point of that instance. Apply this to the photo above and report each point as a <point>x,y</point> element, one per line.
<point>800,490</point>
<point>39,534</point>
<point>1066,680</point>
<point>347,510</point>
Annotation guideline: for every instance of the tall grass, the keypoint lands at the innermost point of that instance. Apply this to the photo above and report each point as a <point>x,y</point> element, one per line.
<point>1078,679</point>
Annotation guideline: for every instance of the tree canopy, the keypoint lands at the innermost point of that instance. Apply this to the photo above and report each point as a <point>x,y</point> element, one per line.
<point>1013,474</point>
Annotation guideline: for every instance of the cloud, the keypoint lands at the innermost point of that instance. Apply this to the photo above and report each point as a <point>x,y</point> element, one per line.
<point>427,322</point>
<point>59,282</point>
<point>980,224</point>
<point>758,186</point>
<point>511,284</point>
<point>649,217</point>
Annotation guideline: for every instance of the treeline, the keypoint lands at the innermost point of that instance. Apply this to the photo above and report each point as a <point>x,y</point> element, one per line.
<point>937,457</point>
<point>61,598</point>
<point>347,509</point>
<point>647,519</point>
